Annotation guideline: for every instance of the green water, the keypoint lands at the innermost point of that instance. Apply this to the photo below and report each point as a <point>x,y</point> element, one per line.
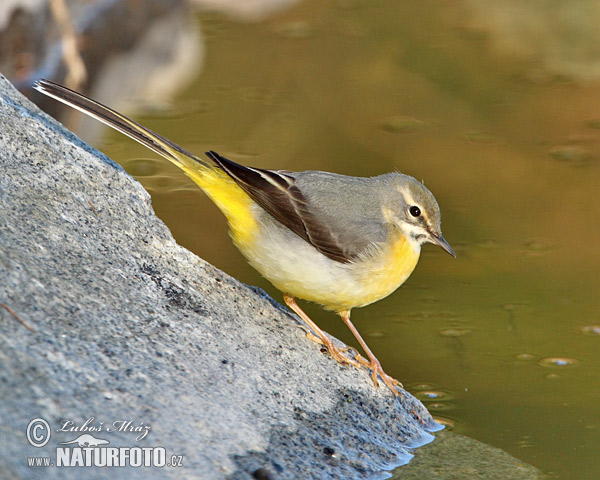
<point>500,117</point>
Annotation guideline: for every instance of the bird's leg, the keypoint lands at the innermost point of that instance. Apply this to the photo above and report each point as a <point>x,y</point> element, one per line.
<point>373,363</point>
<point>320,337</point>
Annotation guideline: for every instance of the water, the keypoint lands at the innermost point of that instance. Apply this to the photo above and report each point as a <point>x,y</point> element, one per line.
<point>497,109</point>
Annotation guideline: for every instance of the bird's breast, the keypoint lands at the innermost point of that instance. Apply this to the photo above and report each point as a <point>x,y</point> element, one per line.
<point>382,273</point>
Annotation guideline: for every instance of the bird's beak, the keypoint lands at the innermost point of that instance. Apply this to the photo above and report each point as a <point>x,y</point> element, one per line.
<point>437,239</point>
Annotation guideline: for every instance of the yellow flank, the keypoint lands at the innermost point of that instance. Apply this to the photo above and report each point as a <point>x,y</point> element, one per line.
<point>230,198</point>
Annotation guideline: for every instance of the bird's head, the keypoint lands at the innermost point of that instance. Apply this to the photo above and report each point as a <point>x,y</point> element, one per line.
<point>413,209</point>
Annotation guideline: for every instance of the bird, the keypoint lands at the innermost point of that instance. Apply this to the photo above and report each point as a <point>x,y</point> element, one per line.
<point>340,241</point>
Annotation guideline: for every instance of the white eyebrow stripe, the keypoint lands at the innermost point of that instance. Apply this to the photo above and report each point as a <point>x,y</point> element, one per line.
<point>408,198</point>
<point>410,201</point>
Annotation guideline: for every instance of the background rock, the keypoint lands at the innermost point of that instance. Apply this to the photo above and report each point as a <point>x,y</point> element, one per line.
<point>456,457</point>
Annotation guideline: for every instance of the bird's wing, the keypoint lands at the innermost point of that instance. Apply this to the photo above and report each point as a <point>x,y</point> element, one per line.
<point>278,194</point>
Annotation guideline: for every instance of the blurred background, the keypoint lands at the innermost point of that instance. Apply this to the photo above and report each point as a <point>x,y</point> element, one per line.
<point>494,105</point>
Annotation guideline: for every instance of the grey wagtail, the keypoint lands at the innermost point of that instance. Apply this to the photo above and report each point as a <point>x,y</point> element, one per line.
<point>339,241</point>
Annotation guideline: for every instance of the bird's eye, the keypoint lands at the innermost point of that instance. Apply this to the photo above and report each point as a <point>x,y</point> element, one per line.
<point>415,211</point>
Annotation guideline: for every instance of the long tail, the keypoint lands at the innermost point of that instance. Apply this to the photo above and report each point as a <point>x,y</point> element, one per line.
<point>159,144</point>
<point>210,175</point>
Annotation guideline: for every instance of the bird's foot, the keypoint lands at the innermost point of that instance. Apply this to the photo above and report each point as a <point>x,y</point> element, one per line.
<point>336,352</point>
<point>376,369</point>
<point>319,336</point>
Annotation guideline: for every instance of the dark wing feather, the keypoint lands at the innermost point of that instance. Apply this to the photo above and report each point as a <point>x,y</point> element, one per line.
<point>277,193</point>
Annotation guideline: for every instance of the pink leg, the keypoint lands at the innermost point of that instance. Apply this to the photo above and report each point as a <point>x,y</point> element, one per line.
<point>373,363</point>
<point>321,336</point>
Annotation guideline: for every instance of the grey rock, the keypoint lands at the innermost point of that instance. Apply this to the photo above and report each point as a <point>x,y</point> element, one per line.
<point>131,327</point>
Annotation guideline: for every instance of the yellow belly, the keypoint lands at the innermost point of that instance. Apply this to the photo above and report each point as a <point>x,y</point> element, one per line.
<point>297,268</point>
